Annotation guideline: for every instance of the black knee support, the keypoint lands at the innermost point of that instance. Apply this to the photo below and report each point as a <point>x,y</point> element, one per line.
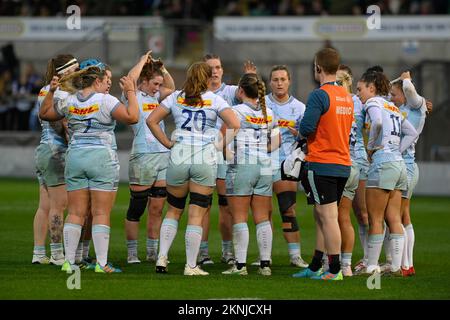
<point>289,223</point>
<point>223,200</point>
<point>138,203</point>
<point>201,200</point>
<point>158,192</point>
<point>286,200</point>
<point>176,202</point>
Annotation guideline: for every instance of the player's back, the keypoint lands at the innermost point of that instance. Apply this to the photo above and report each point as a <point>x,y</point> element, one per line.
<point>195,123</point>
<point>251,141</point>
<point>389,138</point>
<point>90,119</point>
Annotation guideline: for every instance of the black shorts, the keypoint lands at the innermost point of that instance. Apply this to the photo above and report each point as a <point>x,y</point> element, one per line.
<point>322,189</point>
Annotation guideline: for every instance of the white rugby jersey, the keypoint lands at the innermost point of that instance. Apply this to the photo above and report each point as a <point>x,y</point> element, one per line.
<point>389,137</point>
<point>250,143</point>
<point>195,124</point>
<point>415,111</point>
<point>287,114</point>
<point>144,141</point>
<point>228,93</point>
<point>90,121</point>
<point>357,148</point>
<point>49,135</point>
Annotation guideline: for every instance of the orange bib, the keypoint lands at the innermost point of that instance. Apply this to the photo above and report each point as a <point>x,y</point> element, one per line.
<point>330,142</point>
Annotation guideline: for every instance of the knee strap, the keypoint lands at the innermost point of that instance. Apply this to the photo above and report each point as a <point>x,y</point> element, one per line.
<point>176,202</point>
<point>286,200</point>
<point>201,200</point>
<point>223,200</point>
<point>289,223</point>
<point>158,192</point>
<point>138,203</point>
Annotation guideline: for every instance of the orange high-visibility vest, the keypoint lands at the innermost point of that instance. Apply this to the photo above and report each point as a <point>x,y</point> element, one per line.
<point>330,142</point>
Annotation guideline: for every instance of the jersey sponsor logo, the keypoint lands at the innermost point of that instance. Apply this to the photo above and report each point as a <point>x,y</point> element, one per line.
<point>257,120</point>
<point>391,107</point>
<point>43,93</point>
<point>206,103</point>
<point>83,111</point>
<point>283,123</point>
<point>149,106</point>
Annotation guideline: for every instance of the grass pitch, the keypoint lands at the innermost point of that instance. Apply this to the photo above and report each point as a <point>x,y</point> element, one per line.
<point>22,280</point>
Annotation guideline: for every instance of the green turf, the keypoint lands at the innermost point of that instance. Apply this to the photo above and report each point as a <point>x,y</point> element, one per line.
<point>22,280</point>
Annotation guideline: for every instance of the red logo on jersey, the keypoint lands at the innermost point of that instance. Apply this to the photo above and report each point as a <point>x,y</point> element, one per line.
<point>283,123</point>
<point>83,111</point>
<point>257,120</point>
<point>149,106</point>
<point>42,93</point>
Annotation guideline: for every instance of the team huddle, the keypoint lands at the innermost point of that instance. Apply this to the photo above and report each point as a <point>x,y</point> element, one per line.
<point>342,150</point>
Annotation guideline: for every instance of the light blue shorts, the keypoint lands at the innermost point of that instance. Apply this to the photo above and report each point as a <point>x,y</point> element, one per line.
<point>221,166</point>
<point>412,171</point>
<point>192,163</point>
<point>276,175</point>
<point>249,179</point>
<point>50,165</point>
<point>352,182</point>
<point>363,166</point>
<point>147,168</point>
<point>387,175</point>
<point>92,168</point>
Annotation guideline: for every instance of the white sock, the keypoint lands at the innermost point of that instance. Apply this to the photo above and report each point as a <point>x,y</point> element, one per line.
<point>100,236</point>
<point>72,233</point>
<point>240,241</point>
<point>264,238</point>
<point>405,258</point>
<point>346,258</point>
<point>411,238</point>
<point>374,245</point>
<point>152,246</point>
<point>294,250</point>
<point>227,247</point>
<point>193,238</point>
<point>56,250</point>
<point>132,246</point>
<point>86,247</point>
<point>166,235</point>
<point>397,241</point>
<point>386,244</point>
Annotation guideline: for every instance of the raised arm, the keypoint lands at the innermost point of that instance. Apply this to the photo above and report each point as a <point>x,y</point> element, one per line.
<point>130,114</point>
<point>249,67</point>
<point>168,85</point>
<point>47,111</point>
<point>413,99</point>
<point>136,70</point>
